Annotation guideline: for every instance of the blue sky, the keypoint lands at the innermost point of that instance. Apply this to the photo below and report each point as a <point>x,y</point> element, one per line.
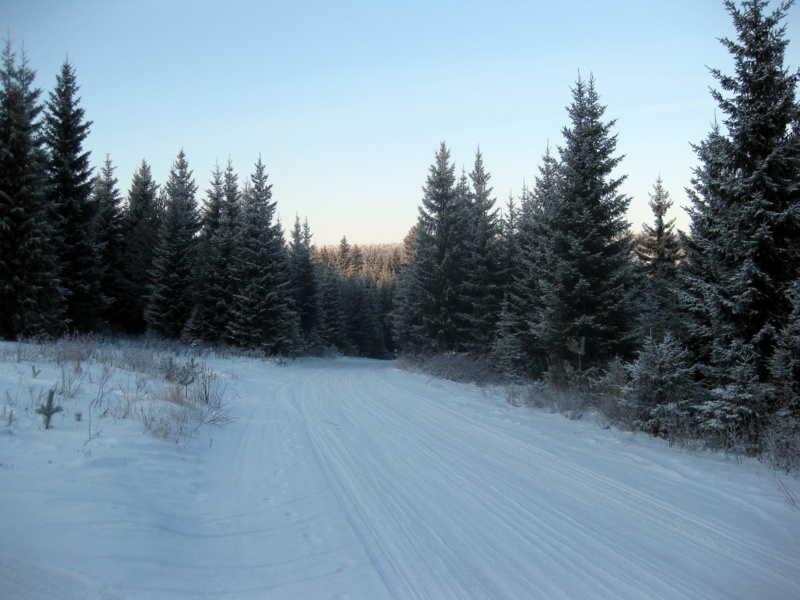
<point>348,101</point>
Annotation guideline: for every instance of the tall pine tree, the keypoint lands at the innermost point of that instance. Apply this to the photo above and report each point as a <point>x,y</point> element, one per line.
<point>108,236</point>
<point>519,348</point>
<point>304,281</point>
<point>585,280</point>
<point>482,289</point>
<point>70,188</point>
<point>141,223</point>
<point>30,290</point>
<point>262,315</point>
<point>744,253</point>
<point>215,286</point>
<point>430,301</point>
<point>658,251</point>
<point>171,292</point>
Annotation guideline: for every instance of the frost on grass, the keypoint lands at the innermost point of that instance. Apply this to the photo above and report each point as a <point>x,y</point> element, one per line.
<point>169,390</point>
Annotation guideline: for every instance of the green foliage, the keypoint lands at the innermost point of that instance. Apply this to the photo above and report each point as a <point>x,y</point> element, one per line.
<point>431,305</point>
<point>215,284</point>
<point>658,254</point>
<point>171,294</point>
<point>108,235</point>
<point>31,291</point>
<point>581,261</point>
<point>47,410</point>
<point>69,179</point>
<point>660,389</point>
<point>743,255</point>
<point>261,316</point>
<point>141,222</point>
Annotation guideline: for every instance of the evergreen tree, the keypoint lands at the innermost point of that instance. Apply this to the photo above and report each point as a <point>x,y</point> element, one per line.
<point>216,287</point>
<point>30,290</point>
<point>430,308</point>
<point>371,342</point>
<point>356,262</point>
<point>584,315</point>
<point>659,252</point>
<point>744,251</point>
<point>214,205</point>
<point>482,289</point>
<point>108,235</point>
<point>70,188</point>
<point>507,352</point>
<point>262,315</point>
<point>661,388</point>
<point>745,193</point>
<point>303,277</point>
<point>344,258</point>
<point>524,294</point>
<point>509,250</point>
<point>782,436</point>
<point>141,223</point>
<point>331,318</point>
<point>171,294</point>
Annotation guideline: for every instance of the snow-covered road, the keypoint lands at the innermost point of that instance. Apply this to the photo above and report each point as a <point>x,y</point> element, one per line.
<point>351,479</point>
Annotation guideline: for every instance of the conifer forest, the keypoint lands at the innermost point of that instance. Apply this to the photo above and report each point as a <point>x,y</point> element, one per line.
<point>681,334</point>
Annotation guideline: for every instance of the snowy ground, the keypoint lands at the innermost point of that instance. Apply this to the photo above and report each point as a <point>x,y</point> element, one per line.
<point>351,479</point>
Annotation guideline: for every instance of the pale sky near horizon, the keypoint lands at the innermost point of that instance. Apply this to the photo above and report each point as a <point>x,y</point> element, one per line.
<point>347,102</point>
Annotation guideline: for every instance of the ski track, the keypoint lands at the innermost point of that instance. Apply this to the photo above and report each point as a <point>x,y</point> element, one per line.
<point>447,501</point>
<point>348,479</point>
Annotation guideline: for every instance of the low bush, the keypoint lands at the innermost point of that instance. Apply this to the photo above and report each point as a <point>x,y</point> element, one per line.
<point>453,366</point>
<point>165,387</point>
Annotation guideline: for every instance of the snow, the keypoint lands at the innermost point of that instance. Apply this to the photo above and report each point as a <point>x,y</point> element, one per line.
<point>350,479</point>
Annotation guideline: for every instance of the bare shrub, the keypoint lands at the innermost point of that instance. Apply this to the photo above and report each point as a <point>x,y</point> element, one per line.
<point>72,379</point>
<point>610,388</point>
<point>780,443</point>
<point>207,398</point>
<point>76,348</point>
<point>567,389</point>
<point>542,395</point>
<point>139,359</point>
<point>516,394</point>
<point>168,388</point>
<point>23,351</point>
<point>452,366</point>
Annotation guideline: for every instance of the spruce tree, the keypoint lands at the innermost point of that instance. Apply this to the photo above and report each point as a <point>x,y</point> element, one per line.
<point>659,394</point>
<point>743,254</point>
<point>30,289</point>
<point>585,281</point>
<point>524,294</point>
<point>482,291</point>
<point>262,315</point>
<point>344,258</point>
<point>658,251</point>
<point>304,284</point>
<point>430,308</point>
<point>331,317</point>
<point>784,368</point>
<point>108,235</point>
<point>70,188</point>
<point>172,284</point>
<point>141,223</point>
<point>215,286</point>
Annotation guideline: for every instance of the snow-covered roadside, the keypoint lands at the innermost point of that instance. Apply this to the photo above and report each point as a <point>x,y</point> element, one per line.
<point>351,479</point>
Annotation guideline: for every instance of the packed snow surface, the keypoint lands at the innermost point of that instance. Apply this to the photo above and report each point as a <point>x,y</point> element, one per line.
<point>351,479</point>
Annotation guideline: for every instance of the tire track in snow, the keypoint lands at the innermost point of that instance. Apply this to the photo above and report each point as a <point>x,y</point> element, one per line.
<point>537,534</point>
<point>647,507</point>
